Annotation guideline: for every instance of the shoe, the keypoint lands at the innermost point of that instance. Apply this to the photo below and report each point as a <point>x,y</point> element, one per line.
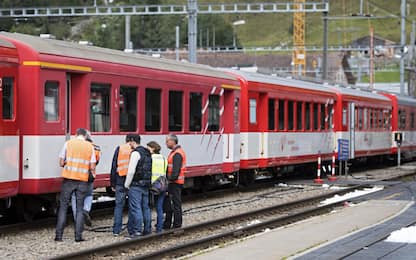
<point>58,239</point>
<point>79,240</point>
<point>135,235</point>
<point>116,234</point>
<point>87,219</point>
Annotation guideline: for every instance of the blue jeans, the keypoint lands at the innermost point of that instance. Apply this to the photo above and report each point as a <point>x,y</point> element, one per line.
<point>87,200</point>
<point>139,211</point>
<point>159,211</point>
<point>121,194</point>
<point>80,188</point>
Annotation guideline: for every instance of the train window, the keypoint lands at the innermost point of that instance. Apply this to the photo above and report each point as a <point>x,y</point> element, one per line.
<point>323,116</point>
<point>128,109</point>
<point>371,119</point>
<point>315,117</point>
<point>307,116</point>
<point>51,101</point>
<point>360,118</point>
<point>380,119</point>
<point>281,115</point>
<point>299,118</point>
<point>344,115</point>
<point>412,120</point>
<point>175,110</point>
<point>330,116</point>
<point>214,113</point>
<point>290,115</point>
<point>271,114</point>
<point>195,111</point>
<point>100,107</point>
<point>365,118</point>
<point>253,111</point>
<point>402,119</point>
<point>152,121</point>
<point>7,99</point>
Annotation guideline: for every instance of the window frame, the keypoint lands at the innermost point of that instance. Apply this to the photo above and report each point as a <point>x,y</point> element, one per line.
<point>137,90</point>
<point>58,97</point>
<point>161,93</point>
<point>108,86</point>
<point>12,100</point>
<point>201,116</point>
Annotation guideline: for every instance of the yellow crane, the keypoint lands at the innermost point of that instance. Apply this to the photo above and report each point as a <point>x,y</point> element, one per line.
<point>299,53</point>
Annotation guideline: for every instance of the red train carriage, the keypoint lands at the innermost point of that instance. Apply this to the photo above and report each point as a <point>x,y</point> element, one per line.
<point>58,86</point>
<point>403,120</point>
<point>284,121</point>
<point>363,118</point>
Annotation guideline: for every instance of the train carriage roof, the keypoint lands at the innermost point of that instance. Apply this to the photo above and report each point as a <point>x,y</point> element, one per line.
<point>276,80</point>
<point>406,101</point>
<point>71,49</point>
<point>284,81</point>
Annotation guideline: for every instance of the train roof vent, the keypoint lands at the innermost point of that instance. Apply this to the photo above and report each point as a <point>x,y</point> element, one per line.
<point>47,36</point>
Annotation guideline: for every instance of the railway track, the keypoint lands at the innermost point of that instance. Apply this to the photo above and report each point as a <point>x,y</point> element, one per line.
<point>203,235</point>
<point>183,241</point>
<point>104,209</point>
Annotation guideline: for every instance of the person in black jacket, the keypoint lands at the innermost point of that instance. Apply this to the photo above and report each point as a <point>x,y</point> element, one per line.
<point>138,181</point>
<point>119,169</point>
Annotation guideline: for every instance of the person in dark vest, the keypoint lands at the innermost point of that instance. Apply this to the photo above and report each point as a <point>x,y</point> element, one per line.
<point>176,176</point>
<point>138,181</point>
<point>119,169</point>
<point>77,158</point>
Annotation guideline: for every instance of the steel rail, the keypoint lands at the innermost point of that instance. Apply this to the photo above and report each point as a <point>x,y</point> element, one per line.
<point>139,242</point>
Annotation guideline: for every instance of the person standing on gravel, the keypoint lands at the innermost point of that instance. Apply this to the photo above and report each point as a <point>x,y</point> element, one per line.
<point>77,158</point>
<point>176,176</point>
<point>159,181</point>
<point>119,169</point>
<point>138,182</point>
<point>91,177</point>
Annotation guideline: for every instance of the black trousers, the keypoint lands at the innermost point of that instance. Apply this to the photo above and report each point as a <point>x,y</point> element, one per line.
<point>174,208</point>
<point>68,187</point>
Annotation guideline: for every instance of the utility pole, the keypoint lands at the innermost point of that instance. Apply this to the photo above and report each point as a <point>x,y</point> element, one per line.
<point>402,44</point>
<point>177,43</point>
<point>325,47</point>
<point>192,30</point>
<point>127,43</point>
<point>371,57</point>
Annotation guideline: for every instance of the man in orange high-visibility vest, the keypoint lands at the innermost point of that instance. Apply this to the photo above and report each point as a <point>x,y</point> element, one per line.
<point>119,169</point>
<point>176,176</point>
<point>77,158</point>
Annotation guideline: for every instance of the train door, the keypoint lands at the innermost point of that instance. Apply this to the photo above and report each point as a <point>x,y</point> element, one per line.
<point>351,129</point>
<point>231,116</point>
<point>68,107</point>
<point>9,138</point>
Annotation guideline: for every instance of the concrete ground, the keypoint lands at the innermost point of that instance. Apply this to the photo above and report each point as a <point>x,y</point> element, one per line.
<point>303,238</point>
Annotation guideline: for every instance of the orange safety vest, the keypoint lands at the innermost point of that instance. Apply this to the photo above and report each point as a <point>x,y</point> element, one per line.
<point>181,177</point>
<point>97,152</point>
<point>77,161</point>
<point>123,159</point>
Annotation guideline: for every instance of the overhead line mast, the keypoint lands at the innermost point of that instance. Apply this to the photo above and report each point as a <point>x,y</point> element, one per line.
<point>299,52</point>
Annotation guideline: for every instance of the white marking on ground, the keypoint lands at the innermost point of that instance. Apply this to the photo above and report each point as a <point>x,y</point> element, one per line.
<point>403,235</point>
<point>351,195</point>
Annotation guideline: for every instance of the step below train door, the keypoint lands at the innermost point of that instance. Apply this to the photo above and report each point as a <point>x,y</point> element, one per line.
<point>9,134</point>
